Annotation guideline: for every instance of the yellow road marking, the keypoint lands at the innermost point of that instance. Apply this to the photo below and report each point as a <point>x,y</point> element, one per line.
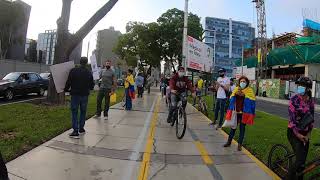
<point>245,151</point>
<point>145,164</point>
<point>204,153</point>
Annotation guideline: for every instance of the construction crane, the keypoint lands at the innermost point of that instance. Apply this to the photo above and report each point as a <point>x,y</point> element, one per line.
<point>262,37</point>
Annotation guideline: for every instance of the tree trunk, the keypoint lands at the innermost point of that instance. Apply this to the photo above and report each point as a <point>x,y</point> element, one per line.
<point>66,42</point>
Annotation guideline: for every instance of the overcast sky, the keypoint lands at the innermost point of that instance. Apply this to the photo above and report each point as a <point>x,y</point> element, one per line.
<point>282,15</point>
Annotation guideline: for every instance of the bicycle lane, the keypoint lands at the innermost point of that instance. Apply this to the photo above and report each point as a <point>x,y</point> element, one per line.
<point>199,155</point>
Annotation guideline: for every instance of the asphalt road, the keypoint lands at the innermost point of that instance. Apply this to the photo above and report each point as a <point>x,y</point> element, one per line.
<point>18,99</point>
<point>280,110</point>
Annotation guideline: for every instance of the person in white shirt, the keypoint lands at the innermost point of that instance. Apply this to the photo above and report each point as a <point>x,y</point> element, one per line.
<point>222,87</point>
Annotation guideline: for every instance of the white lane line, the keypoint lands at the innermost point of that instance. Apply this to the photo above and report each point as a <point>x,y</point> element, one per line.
<point>16,102</point>
<point>138,145</point>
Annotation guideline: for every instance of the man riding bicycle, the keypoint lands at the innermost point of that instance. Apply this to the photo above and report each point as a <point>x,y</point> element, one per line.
<point>179,84</point>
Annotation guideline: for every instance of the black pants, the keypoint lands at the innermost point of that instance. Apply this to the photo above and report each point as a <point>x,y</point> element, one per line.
<point>103,93</point>
<point>3,169</point>
<point>242,130</point>
<point>301,152</point>
<point>174,102</point>
<point>140,92</point>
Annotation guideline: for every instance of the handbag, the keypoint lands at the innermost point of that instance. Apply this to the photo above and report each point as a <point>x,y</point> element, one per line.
<point>305,121</point>
<point>233,122</point>
<point>113,98</point>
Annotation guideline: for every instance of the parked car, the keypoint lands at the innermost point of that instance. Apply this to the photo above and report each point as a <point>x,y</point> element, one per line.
<point>22,83</point>
<point>45,75</point>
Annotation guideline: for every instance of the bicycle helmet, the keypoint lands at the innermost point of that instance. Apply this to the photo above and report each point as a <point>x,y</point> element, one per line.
<point>304,81</point>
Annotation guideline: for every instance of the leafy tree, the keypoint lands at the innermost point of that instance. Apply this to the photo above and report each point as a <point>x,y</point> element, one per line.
<point>171,27</point>
<point>11,18</point>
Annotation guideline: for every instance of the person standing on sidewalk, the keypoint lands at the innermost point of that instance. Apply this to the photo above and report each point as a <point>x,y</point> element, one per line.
<point>80,81</point>
<point>128,85</point>
<point>301,120</point>
<point>222,87</point>
<point>242,100</point>
<point>3,169</point>
<point>139,84</point>
<point>107,88</point>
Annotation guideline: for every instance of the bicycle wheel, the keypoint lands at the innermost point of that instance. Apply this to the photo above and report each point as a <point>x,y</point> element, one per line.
<point>279,160</point>
<point>204,108</point>
<point>181,124</point>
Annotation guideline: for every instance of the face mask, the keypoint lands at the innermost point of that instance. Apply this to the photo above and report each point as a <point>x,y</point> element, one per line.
<point>221,75</point>
<point>108,67</point>
<point>181,74</point>
<point>243,85</point>
<point>301,90</point>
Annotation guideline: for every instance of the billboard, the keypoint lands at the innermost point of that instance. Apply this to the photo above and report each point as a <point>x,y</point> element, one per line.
<point>250,73</point>
<point>200,55</point>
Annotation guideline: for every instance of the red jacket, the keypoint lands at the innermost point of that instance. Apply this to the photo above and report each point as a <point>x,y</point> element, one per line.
<point>180,84</point>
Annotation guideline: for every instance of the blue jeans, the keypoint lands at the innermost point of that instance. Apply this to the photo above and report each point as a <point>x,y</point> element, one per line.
<point>242,130</point>
<point>128,100</point>
<point>220,106</point>
<point>77,101</point>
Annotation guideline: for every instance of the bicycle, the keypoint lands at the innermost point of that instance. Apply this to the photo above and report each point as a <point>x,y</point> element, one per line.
<point>280,159</point>
<point>202,106</point>
<point>180,118</point>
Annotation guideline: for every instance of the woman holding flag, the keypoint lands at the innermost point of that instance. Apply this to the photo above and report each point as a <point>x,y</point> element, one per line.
<point>243,103</point>
<point>129,89</point>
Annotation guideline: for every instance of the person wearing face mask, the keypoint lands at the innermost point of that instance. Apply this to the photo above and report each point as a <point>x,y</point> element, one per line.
<point>222,88</point>
<point>301,119</point>
<point>107,88</point>
<point>179,85</point>
<point>242,100</point>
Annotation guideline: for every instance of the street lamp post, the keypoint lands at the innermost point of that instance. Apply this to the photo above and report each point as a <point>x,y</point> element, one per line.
<point>242,62</point>
<point>185,35</point>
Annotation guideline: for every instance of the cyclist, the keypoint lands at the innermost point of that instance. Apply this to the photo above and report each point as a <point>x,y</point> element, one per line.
<point>301,119</point>
<point>179,84</point>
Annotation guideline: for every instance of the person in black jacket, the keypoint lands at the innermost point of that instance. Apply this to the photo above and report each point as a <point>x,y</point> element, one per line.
<point>3,169</point>
<point>80,81</point>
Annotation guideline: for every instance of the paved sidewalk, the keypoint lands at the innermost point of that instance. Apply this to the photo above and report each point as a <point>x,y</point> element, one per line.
<point>139,144</point>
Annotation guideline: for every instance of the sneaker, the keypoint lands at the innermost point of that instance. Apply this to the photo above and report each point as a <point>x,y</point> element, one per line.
<point>82,131</point>
<point>218,127</point>
<point>96,116</point>
<point>74,135</point>
<point>228,144</point>
<point>239,147</point>
<point>106,117</point>
<point>169,120</point>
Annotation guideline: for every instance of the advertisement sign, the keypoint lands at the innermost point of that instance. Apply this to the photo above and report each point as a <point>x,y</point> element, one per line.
<point>60,73</point>
<point>95,68</point>
<point>200,55</point>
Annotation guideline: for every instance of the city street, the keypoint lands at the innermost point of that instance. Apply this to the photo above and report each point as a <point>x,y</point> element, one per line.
<point>19,99</point>
<point>139,144</point>
<point>281,110</point>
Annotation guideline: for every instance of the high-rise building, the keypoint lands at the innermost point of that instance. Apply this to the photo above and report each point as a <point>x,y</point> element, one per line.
<point>106,40</point>
<point>46,48</point>
<point>230,37</point>
<point>17,50</point>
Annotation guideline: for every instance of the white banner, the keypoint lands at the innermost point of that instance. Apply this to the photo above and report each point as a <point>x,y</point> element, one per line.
<point>250,73</point>
<point>200,55</point>
<point>60,73</point>
<point>95,68</point>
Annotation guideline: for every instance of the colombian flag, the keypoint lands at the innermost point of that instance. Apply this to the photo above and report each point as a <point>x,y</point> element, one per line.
<point>248,108</point>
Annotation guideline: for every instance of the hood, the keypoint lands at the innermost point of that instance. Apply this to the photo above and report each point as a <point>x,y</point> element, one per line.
<point>4,82</point>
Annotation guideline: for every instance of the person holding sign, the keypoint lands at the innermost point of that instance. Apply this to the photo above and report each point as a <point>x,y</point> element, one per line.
<point>79,83</point>
<point>107,88</point>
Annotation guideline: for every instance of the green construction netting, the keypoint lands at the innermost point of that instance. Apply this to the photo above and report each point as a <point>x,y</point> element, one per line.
<point>310,39</point>
<point>297,54</point>
<point>249,62</point>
